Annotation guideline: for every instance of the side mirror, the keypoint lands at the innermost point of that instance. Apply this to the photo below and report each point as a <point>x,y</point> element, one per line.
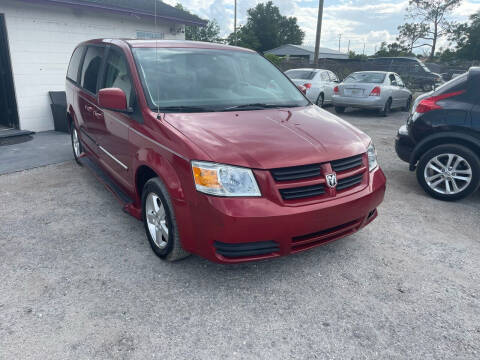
<point>112,99</point>
<point>303,89</point>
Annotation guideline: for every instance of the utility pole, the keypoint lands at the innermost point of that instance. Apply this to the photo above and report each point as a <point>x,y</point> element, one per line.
<point>235,24</point>
<point>339,39</point>
<point>364,48</point>
<point>348,51</point>
<point>319,32</point>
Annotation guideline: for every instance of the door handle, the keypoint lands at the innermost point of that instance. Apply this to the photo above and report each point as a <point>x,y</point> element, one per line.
<point>88,108</point>
<point>97,115</point>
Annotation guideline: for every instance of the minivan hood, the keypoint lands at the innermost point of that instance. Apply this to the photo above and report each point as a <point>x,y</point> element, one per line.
<point>272,138</point>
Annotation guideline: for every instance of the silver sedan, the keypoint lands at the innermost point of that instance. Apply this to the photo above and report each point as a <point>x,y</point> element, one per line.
<point>372,90</point>
<point>319,83</point>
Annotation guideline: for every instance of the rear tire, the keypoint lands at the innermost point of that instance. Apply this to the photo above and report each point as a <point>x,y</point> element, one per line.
<point>387,108</point>
<point>434,172</point>
<point>160,222</point>
<point>320,100</point>
<point>408,104</point>
<point>339,109</point>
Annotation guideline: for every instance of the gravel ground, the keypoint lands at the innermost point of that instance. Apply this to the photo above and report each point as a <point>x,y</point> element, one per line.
<point>79,281</point>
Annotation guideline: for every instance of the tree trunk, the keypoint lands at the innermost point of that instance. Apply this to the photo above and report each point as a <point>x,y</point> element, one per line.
<point>434,42</point>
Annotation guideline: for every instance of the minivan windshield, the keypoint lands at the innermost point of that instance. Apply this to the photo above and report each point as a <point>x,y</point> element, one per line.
<point>194,80</point>
<point>365,77</point>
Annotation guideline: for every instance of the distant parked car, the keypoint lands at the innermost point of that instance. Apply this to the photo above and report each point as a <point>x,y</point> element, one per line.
<point>372,90</point>
<point>441,139</point>
<point>319,83</point>
<point>415,73</point>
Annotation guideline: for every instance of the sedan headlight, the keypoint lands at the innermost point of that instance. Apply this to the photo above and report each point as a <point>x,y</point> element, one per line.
<point>372,157</point>
<point>224,180</point>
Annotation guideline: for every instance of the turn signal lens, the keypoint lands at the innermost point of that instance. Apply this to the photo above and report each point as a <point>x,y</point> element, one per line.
<point>205,177</point>
<point>335,89</point>
<point>307,85</point>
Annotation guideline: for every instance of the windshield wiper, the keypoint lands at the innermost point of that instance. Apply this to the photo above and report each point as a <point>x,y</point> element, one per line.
<point>184,109</point>
<point>258,106</point>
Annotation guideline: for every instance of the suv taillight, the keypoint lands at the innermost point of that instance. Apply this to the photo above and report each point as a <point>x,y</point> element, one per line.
<point>375,91</point>
<point>430,103</point>
<point>335,89</point>
<point>307,85</point>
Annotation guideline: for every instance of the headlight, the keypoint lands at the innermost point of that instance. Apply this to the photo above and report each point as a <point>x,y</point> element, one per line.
<point>224,180</point>
<point>372,157</point>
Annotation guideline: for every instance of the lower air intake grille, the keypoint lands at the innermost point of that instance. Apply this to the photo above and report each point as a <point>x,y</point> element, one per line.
<point>296,172</point>
<point>246,249</point>
<point>347,163</point>
<point>349,182</point>
<point>302,192</point>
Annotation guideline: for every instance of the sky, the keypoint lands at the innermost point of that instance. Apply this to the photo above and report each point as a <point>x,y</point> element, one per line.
<point>361,22</point>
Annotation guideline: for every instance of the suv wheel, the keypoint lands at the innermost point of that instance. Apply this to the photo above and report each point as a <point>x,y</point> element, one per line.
<point>449,172</point>
<point>76,144</point>
<point>159,221</point>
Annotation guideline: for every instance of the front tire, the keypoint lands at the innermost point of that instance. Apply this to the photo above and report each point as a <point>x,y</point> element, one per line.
<point>449,172</point>
<point>339,109</point>
<point>76,144</point>
<point>160,222</point>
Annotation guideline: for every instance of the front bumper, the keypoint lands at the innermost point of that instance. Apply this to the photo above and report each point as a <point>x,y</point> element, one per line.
<point>403,144</point>
<point>229,230</point>
<point>369,102</point>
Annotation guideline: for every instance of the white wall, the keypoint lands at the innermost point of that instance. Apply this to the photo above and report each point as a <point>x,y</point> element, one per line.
<point>41,40</point>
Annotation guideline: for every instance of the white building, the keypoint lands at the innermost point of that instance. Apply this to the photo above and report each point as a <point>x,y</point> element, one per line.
<point>37,38</point>
<point>306,52</point>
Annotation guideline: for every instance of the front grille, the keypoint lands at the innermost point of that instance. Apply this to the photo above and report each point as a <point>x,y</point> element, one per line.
<point>349,182</point>
<point>246,249</point>
<point>296,172</point>
<point>302,192</point>
<point>347,163</point>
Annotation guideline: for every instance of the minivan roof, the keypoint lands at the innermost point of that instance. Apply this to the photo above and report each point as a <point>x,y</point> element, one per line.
<point>134,43</point>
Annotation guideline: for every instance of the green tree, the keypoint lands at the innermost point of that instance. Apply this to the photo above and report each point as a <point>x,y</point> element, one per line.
<point>392,50</point>
<point>467,37</point>
<point>353,55</point>
<point>267,29</point>
<point>433,15</point>
<point>208,33</point>
<point>410,33</point>
<point>277,60</point>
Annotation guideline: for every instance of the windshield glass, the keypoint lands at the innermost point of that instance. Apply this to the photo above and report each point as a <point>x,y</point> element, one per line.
<point>300,74</point>
<point>212,80</point>
<point>365,77</point>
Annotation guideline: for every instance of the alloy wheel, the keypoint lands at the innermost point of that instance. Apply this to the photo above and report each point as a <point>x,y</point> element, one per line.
<point>76,143</point>
<point>156,220</point>
<point>448,174</point>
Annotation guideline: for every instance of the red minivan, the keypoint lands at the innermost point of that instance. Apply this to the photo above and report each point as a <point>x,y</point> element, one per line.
<point>216,150</point>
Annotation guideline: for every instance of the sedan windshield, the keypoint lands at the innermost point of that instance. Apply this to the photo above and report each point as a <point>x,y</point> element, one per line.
<point>195,80</point>
<point>365,77</point>
<point>300,74</point>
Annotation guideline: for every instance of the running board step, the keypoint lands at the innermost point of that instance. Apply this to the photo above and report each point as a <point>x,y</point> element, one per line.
<point>107,181</point>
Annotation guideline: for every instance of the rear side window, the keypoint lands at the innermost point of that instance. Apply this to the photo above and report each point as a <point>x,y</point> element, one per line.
<point>91,68</point>
<point>456,84</point>
<point>117,76</point>
<point>72,72</point>
<point>324,76</point>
